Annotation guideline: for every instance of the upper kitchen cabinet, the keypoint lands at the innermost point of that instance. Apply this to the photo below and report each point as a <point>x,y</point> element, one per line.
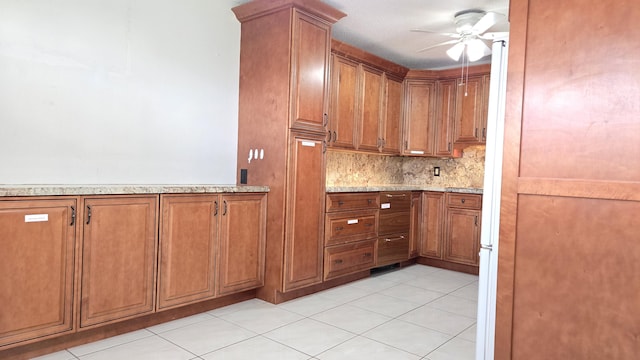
<point>342,108</point>
<point>366,101</point>
<point>472,97</point>
<point>37,242</point>
<point>445,112</point>
<point>282,119</point>
<point>419,116</point>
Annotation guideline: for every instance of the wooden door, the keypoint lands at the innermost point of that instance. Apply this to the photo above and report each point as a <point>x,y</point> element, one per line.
<point>370,114</point>
<point>416,227</point>
<point>310,72</point>
<point>188,233</point>
<point>37,240</point>
<point>433,224</point>
<point>118,258</point>
<point>462,236</point>
<point>241,249</point>
<point>343,106</point>
<point>419,115</point>
<point>304,213</point>
<point>391,127</point>
<point>446,106</point>
<point>469,110</point>
<point>569,246</point>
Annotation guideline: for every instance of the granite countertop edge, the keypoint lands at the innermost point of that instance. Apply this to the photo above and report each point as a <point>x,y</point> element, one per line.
<point>122,189</point>
<point>375,188</point>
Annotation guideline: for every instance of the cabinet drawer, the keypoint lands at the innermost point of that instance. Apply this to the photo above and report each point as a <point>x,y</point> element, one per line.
<point>395,222</point>
<point>395,201</point>
<point>466,201</point>
<point>351,201</point>
<point>346,259</point>
<point>393,249</point>
<point>350,226</point>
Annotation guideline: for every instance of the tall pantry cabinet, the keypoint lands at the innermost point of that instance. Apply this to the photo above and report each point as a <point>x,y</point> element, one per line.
<point>282,127</point>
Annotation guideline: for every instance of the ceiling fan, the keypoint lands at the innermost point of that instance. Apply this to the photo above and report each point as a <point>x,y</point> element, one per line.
<point>471,27</point>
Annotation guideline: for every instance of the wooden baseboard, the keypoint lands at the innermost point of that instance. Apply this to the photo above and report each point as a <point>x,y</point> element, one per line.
<point>469,269</point>
<point>31,350</point>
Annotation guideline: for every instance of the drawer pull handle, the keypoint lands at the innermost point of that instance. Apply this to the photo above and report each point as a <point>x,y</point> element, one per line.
<point>338,228</point>
<point>73,216</point>
<point>370,201</point>
<point>368,224</point>
<point>392,196</point>
<point>367,254</point>
<point>394,239</point>
<point>340,203</point>
<point>338,261</point>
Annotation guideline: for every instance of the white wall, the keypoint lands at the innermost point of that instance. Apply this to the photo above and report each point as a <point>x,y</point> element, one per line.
<point>118,91</point>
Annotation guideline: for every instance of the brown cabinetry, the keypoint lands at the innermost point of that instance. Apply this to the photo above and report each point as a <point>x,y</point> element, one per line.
<point>444,120</point>
<point>210,245</point>
<point>366,101</point>
<point>344,98</point>
<point>351,228</point>
<point>433,208</point>
<point>394,227</point>
<point>304,216</point>
<point>419,125</point>
<point>37,238</point>
<point>284,76</point>
<point>416,225</point>
<point>470,125</point>
<point>118,258</point>
<point>462,233</point>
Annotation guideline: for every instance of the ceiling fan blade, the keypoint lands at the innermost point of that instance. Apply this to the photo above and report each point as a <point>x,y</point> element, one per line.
<point>439,44</point>
<point>453,35</point>
<point>488,20</point>
<point>494,35</point>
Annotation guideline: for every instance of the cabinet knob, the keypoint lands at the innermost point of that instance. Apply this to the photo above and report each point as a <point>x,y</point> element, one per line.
<point>462,200</point>
<point>340,203</point>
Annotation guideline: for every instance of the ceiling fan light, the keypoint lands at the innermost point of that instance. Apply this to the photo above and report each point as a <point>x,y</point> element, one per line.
<point>456,51</point>
<point>475,50</point>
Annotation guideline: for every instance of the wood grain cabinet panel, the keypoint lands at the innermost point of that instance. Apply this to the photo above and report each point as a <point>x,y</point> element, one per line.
<point>352,201</point>
<point>343,103</point>
<point>445,117</point>
<point>118,258</point>
<point>241,250</point>
<point>416,226</point>
<point>310,72</point>
<point>391,127</point>
<point>305,213</point>
<point>462,232</point>
<point>419,115</point>
<point>348,226</point>
<point>371,110</point>
<point>188,233</point>
<point>470,117</point>
<point>349,258</point>
<point>37,238</point>
<point>433,218</point>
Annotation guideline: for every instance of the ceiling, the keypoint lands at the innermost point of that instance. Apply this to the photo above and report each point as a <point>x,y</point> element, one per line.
<point>383,27</point>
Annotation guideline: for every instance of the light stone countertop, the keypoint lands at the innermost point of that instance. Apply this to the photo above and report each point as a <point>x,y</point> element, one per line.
<point>117,189</point>
<point>377,188</point>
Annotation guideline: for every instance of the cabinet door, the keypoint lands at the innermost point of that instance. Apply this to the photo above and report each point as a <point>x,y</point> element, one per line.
<point>188,234</point>
<point>118,258</point>
<point>309,79</point>
<point>391,128</point>
<point>344,94</point>
<point>241,249</point>
<point>419,115</point>
<point>485,103</point>
<point>433,224</point>
<point>445,117</point>
<point>37,239</point>
<point>305,214</point>
<point>370,114</point>
<point>462,236</point>
<point>416,224</point>
<point>469,110</point>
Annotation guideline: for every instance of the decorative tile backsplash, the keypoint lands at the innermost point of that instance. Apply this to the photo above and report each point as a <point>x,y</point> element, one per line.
<point>355,169</point>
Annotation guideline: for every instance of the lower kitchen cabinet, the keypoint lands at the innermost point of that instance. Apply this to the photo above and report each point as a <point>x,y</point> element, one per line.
<point>241,250</point>
<point>349,258</point>
<point>462,234</point>
<point>118,258</point>
<point>37,240</point>
<point>433,208</point>
<point>415,224</point>
<point>394,227</point>
<point>210,245</point>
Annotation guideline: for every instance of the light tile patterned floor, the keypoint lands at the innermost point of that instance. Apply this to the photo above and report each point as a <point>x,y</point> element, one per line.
<point>418,312</point>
